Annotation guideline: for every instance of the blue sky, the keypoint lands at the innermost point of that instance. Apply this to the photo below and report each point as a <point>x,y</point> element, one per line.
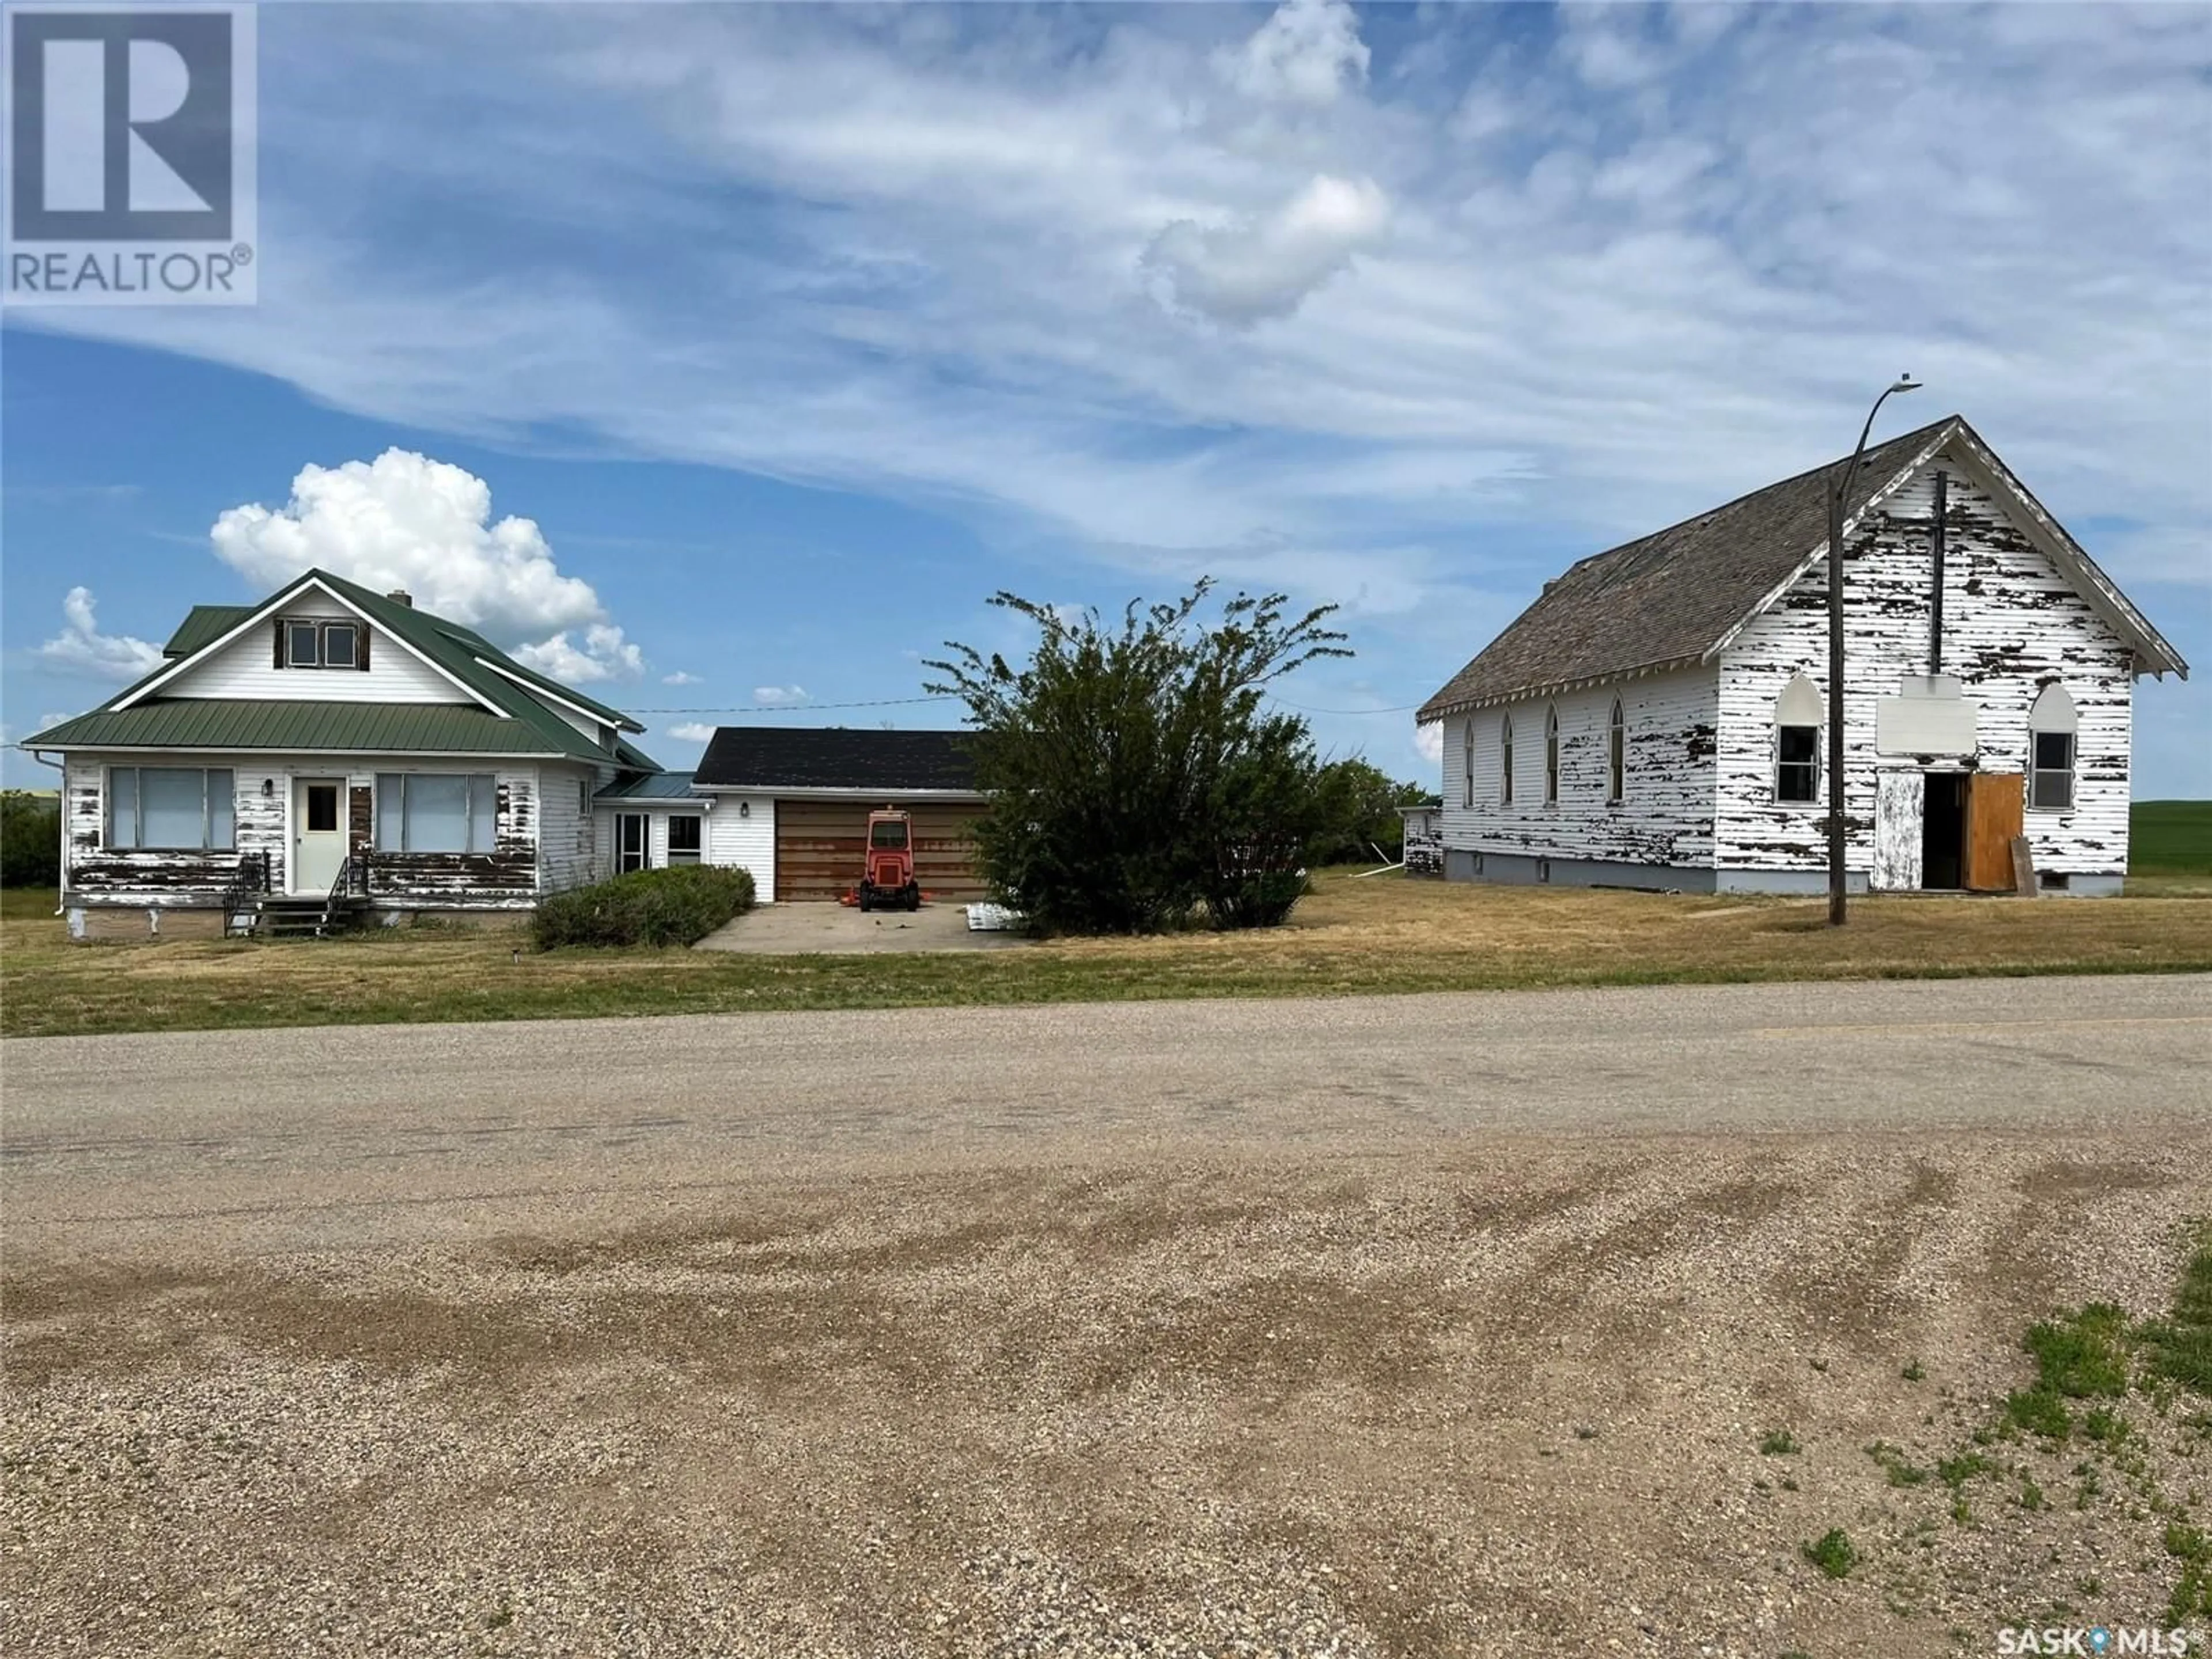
<point>717,355</point>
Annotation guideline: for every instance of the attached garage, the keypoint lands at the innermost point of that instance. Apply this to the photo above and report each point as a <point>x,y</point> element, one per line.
<point>819,845</point>
<point>806,793</point>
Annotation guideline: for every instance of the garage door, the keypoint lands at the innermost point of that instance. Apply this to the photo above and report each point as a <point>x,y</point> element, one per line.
<point>818,845</point>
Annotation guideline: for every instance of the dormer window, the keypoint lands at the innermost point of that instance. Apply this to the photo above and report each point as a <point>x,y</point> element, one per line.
<point>302,642</point>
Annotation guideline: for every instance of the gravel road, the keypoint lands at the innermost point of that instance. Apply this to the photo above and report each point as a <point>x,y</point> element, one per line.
<point>1392,1326</point>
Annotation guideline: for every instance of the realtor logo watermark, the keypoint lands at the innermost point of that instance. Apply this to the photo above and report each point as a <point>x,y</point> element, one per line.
<point>131,155</point>
<point>2100,1641</point>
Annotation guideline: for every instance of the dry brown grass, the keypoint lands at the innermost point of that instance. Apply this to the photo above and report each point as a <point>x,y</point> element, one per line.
<point>1353,935</point>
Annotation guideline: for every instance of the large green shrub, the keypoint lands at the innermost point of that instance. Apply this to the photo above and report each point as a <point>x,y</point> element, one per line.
<point>30,839</point>
<point>1138,780</point>
<point>677,905</point>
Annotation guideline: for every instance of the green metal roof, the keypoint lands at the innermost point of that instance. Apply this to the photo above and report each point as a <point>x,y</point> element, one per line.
<point>649,785</point>
<point>383,727</point>
<point>203,624</point>
<point>528,726</point>
<point>456,649</point>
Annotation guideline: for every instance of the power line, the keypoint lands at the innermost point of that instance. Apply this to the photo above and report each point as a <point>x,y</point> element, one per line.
<point>894,702</point>
<point>1403,709</point>
<point>792,708</point>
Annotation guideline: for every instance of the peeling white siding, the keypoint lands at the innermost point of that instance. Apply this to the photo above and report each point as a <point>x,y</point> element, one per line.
<point>504,878</point>
<point>2011,624</point>
<point>93,870</point>
<point>1665,816</point>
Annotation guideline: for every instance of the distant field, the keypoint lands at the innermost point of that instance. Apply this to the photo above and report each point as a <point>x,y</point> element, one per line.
<point>2170,838</point>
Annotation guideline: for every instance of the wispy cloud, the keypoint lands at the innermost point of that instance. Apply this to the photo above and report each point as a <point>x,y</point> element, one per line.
<point>779,693</point>
<point>691,732</point>
<point>680,676</point>
<point>1198,288</point>
<point>82,648</point>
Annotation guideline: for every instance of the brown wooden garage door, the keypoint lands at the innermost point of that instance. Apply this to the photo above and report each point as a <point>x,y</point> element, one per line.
<point>818,845</point>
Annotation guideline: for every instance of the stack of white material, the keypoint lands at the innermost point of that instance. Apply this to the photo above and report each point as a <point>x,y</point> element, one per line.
<point>992,919</point>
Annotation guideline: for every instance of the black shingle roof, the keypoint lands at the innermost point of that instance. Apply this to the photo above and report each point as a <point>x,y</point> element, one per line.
<point>836,758</point>
<point>1672,596</point>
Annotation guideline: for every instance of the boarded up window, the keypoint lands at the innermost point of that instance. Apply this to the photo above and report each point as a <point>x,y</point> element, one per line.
<point>1616,754</point>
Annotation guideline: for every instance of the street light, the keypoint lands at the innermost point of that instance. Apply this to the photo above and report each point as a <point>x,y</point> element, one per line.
<point>1836,494</point>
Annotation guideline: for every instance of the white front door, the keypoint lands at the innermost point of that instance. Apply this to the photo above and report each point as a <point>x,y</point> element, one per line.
<point>318,836</point>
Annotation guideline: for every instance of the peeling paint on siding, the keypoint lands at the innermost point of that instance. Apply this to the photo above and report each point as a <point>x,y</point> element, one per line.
<point>1700,751</point>
<point>1666,813</point>
<point>504,878</point>
<point>2012,621</point>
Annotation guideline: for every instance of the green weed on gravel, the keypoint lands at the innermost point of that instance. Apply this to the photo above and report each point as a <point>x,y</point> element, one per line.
<point>2179,1347</point>
<point>1833,1553</point>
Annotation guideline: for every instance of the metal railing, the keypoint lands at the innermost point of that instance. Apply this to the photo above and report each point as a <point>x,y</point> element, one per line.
<point>246,885</point>
<point>350,882</point>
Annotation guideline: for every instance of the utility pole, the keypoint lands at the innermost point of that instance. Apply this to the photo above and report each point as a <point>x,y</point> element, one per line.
<point>1837,490</point>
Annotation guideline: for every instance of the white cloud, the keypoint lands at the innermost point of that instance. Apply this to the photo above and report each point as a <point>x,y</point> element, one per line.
<point>406,521</point>
<point>1429,742</point>
<point>80,646</point>
<point>682,676</point>
<point>779,693</point>
<point>1306,53</point>
<point>692,731</point>
<point>1262,267</point>
<point>603,655</point>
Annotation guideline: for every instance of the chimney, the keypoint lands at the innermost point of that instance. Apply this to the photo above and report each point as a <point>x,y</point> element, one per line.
<point>401,596</point>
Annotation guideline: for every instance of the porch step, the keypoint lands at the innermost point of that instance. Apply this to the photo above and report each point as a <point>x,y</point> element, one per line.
<point>301,915</point>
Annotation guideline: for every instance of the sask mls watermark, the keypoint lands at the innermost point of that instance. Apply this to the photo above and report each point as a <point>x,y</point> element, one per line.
<point>131,155</point>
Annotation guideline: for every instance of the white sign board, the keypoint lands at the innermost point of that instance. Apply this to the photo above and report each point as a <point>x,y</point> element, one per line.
<point>1928,717</point>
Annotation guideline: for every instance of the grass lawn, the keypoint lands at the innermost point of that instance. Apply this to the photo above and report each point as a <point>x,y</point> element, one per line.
<point>1386,933</point>
<point>2170,847</point>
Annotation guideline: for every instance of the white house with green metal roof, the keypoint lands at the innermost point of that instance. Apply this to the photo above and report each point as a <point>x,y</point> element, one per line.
<point>331,750</point>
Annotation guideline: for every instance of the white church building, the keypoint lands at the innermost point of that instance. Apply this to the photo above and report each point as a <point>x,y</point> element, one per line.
<point>1656,718</point>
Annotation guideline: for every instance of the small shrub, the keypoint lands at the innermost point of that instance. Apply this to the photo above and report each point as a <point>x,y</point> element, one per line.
<point>1832,1554</point>
<point>1914,1372</point>
<point>677,906</point>
<point>1778,1442</point>
<point>30,839</point>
